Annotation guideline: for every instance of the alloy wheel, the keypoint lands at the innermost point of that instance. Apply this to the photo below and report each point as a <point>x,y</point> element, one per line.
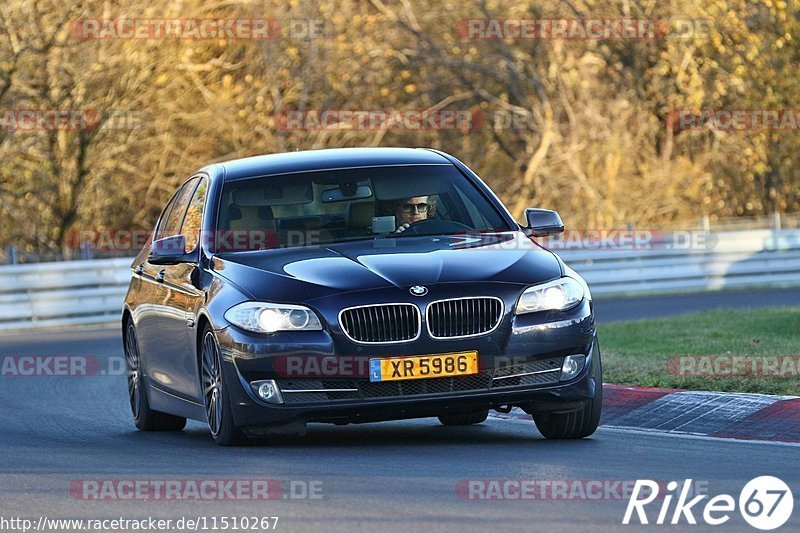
<point>212,383</point>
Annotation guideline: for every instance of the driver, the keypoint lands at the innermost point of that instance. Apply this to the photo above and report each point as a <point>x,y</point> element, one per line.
<point>411,210</point>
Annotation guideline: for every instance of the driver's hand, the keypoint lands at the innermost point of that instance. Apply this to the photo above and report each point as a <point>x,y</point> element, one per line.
<point>402,228</point>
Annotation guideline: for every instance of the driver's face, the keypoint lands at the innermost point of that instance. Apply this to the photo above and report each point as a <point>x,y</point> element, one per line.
<point>411,210</point>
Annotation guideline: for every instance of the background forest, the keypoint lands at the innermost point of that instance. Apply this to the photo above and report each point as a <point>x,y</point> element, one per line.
<point>579,125</point>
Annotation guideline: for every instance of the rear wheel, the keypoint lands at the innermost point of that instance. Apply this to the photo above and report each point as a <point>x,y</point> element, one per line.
<point>219,412</point>
<point>464,419</point>
<point>145,418</point>
<point>576,424</point>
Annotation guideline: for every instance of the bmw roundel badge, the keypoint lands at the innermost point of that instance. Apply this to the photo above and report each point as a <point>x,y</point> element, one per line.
<point>418,290</point>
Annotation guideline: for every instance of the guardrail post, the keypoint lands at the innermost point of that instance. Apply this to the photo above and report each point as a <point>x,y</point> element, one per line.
<point>11,254</point>
<point>776,221</point>
<point>86,250</point>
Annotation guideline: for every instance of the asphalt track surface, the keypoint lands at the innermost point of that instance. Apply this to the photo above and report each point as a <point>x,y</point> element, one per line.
<point>395,476</point>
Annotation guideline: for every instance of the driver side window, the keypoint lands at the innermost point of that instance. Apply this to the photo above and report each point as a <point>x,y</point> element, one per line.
<point>171,223</point>
<point>194,217</point>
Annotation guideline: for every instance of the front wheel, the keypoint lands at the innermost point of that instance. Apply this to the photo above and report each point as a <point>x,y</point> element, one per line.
<point>576,424</point>
<point>219,412</point>
<point>145,418</point>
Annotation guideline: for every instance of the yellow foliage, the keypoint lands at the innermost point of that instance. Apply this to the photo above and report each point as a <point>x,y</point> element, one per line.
<point>582,126</point>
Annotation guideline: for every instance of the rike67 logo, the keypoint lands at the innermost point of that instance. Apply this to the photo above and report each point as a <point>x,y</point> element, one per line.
<point>765,503</point>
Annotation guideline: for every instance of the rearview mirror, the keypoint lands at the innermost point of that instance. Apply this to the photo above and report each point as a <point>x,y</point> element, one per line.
<point>169,251</point>
<point>542,222</point>
<point>346,193</point>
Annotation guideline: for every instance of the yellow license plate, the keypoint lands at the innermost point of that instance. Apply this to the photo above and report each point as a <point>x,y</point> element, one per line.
<point>423,366</point>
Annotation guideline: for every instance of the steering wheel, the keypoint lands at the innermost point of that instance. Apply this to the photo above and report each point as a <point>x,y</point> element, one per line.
<point>432,226</point>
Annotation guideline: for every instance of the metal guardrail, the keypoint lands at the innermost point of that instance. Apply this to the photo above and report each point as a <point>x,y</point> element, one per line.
<point>85,292</point>
<point>62,294</point>
<point>737,259</point>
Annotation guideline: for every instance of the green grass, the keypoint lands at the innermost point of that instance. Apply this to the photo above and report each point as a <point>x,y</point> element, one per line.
<point>636,352</point>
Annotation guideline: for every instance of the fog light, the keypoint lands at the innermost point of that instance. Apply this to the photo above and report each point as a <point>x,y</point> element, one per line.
<point>572,366</point>
<point>267,390</point>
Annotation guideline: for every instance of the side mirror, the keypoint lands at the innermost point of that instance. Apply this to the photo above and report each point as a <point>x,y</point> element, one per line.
<point>542,222</point>
<point>169,251</point>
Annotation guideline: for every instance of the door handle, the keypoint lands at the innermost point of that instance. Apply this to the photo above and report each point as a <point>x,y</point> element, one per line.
<point>160,276</point>
<point>138,270</point>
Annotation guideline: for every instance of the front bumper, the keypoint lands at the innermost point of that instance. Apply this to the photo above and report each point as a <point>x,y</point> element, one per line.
<point>531,343</point>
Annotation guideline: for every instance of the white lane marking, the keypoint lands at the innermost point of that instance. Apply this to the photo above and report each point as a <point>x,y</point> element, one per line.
<point>649,431</point>
<point>658,432</point>
<point>662,433</point>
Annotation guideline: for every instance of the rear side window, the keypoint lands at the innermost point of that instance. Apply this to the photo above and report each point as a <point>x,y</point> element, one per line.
<point>171,224</point>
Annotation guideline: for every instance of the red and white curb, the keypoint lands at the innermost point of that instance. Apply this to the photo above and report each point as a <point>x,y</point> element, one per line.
<point>727,415</point>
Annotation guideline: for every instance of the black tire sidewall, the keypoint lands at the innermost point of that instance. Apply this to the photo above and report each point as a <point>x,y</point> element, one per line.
<point>148,419</point>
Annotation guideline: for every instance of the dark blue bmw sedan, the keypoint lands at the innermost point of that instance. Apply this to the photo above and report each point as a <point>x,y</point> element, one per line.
<point>354,285</point>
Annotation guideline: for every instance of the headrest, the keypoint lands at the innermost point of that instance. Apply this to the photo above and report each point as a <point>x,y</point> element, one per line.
<point>360,214</point>
<point>265,213</point>
<point>304,223</point>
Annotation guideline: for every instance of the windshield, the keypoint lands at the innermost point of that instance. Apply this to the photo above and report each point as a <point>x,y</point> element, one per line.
<point>325,207</point>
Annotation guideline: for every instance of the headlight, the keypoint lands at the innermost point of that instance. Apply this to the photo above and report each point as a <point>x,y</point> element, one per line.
<point>262,317</point>
<point>569,273</point>
<point>558,295</point>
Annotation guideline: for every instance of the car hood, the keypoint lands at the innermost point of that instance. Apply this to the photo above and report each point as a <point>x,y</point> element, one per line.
<point>306,273</point>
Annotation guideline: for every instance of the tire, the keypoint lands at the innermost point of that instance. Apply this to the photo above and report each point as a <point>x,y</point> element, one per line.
<point>219,412</point>
<point>464,419</point>
<point>577,424</point>
<point>145,418</point>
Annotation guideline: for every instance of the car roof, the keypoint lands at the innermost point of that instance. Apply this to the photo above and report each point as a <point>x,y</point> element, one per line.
<point>329,159</point>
